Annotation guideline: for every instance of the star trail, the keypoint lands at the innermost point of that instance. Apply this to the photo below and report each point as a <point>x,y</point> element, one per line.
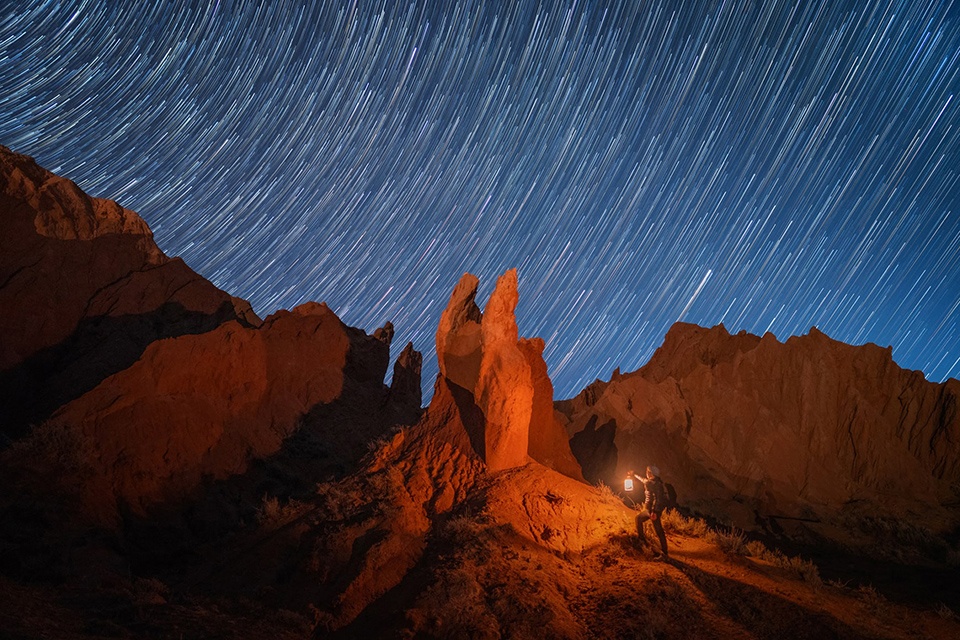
<point>769,165</point>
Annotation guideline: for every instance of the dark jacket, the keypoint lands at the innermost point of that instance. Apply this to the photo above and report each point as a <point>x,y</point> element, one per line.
<point>655,498</point>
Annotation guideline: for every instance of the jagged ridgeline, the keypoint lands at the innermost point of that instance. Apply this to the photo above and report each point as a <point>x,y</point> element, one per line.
<point>172,465</point>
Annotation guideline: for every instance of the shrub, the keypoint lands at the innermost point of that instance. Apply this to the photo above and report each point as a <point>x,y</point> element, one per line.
<point>732,542</point>
<point>149,591</point>
<point>806,571</point>
<point>604,491</point>
<point>872,598</point>
<point>336,499</point>
<point>272,514</point>
<point>802,569</point>
<point>675,522</point>
<point>897,538</point>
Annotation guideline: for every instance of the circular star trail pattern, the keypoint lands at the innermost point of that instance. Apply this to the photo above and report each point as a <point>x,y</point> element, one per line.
<point>771,166</point>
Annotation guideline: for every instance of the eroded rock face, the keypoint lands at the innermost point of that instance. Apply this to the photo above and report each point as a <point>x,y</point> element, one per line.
<point>205,406</point>
<point>806,429</point>
<point>84,289</point>
<point>548,442</point>
<point>459,349</point>
<point>500,377</point>
<point>505,384</point>
<point>405,390</point>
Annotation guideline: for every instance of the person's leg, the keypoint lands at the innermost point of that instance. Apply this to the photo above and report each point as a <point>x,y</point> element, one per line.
<point>663,537</point>
<point>642,517</point>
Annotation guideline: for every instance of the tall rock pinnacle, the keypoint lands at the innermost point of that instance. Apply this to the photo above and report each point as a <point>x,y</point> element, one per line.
<point>482,354</point>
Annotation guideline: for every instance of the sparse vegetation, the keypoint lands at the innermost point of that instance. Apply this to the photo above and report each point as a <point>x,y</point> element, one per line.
<point>807,571</point>
<point>732,542</point>
<point>273,515</point>
<point>465,528</point>
<point>604,491</point>
<point>873,599</point>
<point>802,569</point>
<point>899,539</point>
<point>54,443</point>
<point>675,522</point>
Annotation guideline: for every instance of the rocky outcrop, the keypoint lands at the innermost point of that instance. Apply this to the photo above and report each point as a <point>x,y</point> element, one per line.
<point>748,427</point>
<point>206,405</point>
<point>406,392</point>
<point>84,289</point>
<point>500,378</point>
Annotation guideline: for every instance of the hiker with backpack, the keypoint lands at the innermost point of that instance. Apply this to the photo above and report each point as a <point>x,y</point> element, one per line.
<point>655,501</point>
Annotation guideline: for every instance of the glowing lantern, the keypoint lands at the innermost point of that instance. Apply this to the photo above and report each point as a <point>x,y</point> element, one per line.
<point>628,484</point>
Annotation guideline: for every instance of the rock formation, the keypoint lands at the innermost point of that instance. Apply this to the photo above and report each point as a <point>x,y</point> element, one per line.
<point>231,478</point>
<point>749,428</point>
<point>148,379</point>
<point>84,289</point>
<point>501,379</point>
<point>205,406</point>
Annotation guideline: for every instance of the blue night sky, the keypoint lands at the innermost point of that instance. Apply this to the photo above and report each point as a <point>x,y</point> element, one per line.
<point>769,165</point>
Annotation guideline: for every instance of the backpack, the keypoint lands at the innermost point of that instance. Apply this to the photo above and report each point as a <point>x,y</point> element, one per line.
<point>670,496</point>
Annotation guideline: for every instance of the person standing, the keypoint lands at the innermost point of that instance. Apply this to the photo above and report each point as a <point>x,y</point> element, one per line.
<point>653,505</point>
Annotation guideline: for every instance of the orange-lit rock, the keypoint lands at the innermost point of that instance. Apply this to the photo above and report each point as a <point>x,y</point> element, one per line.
<point>750,426</point>
<point>206,405</point>
<point>458,336</point>
<point>505,383</point>
<point>548,441</point>
<point>500,380</point>
<point>85,290</point>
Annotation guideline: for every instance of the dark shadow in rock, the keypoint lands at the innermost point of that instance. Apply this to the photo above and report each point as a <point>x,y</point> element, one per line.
<point>472,417</point>
<point>595,450</point>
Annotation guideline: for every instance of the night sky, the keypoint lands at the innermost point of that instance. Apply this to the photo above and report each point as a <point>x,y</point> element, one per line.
<point>771,165</point>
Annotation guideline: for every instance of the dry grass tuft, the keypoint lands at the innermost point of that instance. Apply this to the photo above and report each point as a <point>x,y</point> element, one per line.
<point>803,569</point>
<point>873,599</point>
<point>273,515</point>
<point>732,542</point>
<point>604,491</point>
<point>675,522</point>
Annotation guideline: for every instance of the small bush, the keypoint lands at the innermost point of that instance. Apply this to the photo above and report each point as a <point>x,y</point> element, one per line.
<point>148,591</point>
<point>675,522</point>
<point>898,538</point>
<point>806,571</point>
<point>803,569</point>
<point>839,583</point>
<point>465,528</point>
<point>872,598</point>
<point>53,443</point>
<point>604,491</point>
<point>336,499</point>
<point>945,612</point>
<point>732,542</point>
<point>272,514</point>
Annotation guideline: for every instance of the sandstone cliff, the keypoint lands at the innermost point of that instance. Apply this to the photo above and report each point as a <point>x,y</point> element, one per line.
<point>749,428</point>
<point>83,290</point>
